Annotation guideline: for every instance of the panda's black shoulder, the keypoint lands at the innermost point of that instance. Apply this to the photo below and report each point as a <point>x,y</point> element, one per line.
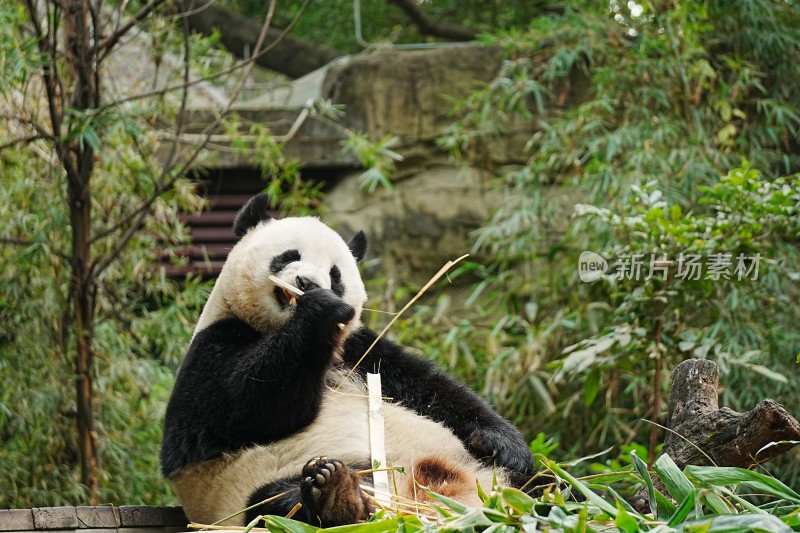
<point>223,334</point>
<point>190,426</point>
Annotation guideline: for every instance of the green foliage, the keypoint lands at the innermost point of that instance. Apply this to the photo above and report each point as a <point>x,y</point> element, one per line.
<point>385,24</point>
<point>141,319</point>
<point>378,158</point>
<point>636,111</point>
<point>698,499</point>
<point>143,322</point>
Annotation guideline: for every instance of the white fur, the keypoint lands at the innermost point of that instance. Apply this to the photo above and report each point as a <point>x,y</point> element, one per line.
<point>219,488</point>
<point>243,288</point>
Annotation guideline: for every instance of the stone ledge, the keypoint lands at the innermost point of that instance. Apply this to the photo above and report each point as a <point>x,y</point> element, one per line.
<point>16,519</point>
<point>86,519</point>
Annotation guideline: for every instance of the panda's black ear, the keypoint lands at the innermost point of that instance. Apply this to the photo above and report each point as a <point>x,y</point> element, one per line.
<point>254,211</point>
<point>358,245</point>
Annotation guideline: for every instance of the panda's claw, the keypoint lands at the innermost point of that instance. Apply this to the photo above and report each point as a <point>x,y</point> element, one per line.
<point>331,493</point>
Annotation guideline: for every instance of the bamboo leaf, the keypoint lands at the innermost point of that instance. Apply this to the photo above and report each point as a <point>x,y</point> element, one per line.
<point>732,476</point>
<point>624,521</point>
<point>688,504</point>
<point>605,506</point>
<point>641,467</point>
<point>518,500</point>
<point>287,525</point>
<point>736,524</point>
<point>677,484</point>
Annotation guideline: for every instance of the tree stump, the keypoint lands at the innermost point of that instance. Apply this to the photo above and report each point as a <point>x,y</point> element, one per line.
<point>703,434</point>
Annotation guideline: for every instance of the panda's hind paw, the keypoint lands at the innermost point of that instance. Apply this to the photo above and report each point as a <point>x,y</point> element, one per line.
<point>332,494</point>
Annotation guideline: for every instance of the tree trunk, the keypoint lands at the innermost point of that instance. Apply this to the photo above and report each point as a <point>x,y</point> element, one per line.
<point>703,434</point>
<point>80,217</point>
<point>78,162</point>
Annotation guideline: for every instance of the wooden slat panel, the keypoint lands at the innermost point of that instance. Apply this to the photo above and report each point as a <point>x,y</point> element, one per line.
<point>211,231</point>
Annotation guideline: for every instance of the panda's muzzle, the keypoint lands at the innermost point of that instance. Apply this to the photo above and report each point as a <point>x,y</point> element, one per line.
<point>287,295</point>
<point>285,298</point>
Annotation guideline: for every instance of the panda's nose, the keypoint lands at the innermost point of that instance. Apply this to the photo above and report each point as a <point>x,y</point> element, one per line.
<point>304,284</point>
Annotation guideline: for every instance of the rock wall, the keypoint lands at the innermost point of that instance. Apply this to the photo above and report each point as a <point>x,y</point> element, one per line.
<point>437,203</point>
<point>427,220</point>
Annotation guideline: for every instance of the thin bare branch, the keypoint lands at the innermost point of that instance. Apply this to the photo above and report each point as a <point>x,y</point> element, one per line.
<point>233,68</point>
<point>109,42</point>
<point>24,140</point>
<point>173,151</point>
<point>51,81</point>
<point>223,138</point>
<point>137,218</point>
<point>426,26</point>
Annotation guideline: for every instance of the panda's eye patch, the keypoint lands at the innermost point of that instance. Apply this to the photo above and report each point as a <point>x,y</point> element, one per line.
<point>279,262</point>
<point>336,281</point>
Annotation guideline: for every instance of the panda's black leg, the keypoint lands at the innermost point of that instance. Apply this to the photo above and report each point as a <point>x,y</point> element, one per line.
<point>331,493</point>
<point>328,489</point>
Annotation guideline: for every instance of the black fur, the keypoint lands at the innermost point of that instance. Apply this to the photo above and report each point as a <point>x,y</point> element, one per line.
<point>419,385</point>
<point>264,387</point>
<point>281,376</point>
<point>280,262</point>
<point>237,388</point>
<point>358,245</point>
<point>336,281</point>
<point>254,211</point>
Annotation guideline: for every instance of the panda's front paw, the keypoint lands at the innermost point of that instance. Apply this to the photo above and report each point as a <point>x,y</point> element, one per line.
<point>502,448</point>
<point>331,493</point>
<point>324,306</point>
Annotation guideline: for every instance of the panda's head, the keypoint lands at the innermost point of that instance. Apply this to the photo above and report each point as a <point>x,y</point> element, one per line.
<point>301,251</point>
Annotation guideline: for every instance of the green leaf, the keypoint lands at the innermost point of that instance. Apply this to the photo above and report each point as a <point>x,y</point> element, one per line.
<point>641,467</point>
<point>624,521</point>
<point>688,504</point>
<point>665,506</point>
<point>450,503</point>
<point>518,500</point>
<point>287,525</point>
<point>604,506</point>
<point>717,503</point>
<point>677,484</point>
<point>720,475</point>
<point>736,524</point>
<point>591,387</point>
<point>472,519</point>
<point>407,524</point>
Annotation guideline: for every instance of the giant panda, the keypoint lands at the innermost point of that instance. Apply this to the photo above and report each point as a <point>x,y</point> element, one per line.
<point>264,403</point>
